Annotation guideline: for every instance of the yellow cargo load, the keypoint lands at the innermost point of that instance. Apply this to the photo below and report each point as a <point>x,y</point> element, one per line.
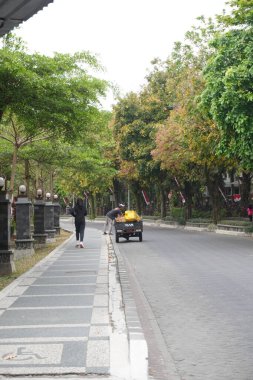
<point>131,216</point>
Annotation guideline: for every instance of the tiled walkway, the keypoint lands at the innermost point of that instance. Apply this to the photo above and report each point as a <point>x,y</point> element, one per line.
<point>55,319</point>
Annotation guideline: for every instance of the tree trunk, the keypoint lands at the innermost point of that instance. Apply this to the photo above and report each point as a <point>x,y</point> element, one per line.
<point>188,198</point>
<point>216,204</point>
<point>214,182</point>
<point>138,202</point>
<point>163,200</point>
<point>27,178</point>
<point>92,206</point>
<point>116,192</point>
<point>1,114</point>
<point>136,191</point>
<point>51,184</point>
<point>13,169</point>
<point>245,189</point>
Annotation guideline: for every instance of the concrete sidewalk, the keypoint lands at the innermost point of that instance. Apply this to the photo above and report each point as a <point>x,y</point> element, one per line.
<point>72,316</point>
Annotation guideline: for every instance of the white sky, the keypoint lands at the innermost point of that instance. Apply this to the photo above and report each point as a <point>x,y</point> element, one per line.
<point>125,34</point>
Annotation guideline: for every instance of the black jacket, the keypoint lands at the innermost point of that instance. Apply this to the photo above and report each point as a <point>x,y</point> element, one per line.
<point>79,212</point>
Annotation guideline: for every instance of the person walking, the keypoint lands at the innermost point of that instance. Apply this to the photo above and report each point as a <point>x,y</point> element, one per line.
<point>250,212</point>
<point>79,212</point>
<point>111,216</point>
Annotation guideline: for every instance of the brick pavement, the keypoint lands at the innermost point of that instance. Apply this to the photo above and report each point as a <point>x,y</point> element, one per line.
<point>64,317</point>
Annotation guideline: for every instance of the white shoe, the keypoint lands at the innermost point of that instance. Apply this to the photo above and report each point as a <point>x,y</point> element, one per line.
<point>77,244</point>
<point>81,245</point>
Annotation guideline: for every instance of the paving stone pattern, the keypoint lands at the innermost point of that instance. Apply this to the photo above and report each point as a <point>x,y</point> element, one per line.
<point>56,320</point>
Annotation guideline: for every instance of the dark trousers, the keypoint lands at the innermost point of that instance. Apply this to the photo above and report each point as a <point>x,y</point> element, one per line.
<point>80,226</point>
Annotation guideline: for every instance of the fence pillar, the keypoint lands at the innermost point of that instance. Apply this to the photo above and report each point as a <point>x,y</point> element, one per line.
<point>7,265</point>
<point>24,241</point>
<point>39,235</point>
<point>57,212</point>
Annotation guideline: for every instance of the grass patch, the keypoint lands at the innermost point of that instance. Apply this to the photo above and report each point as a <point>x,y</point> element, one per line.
<point>26,263</point>
<point>239,223</point>
<point>199,220</point>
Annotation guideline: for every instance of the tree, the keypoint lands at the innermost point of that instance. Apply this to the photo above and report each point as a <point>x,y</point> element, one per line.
<point>12,131</point>
<point>56,94</point>
<point>135,118</point>
<point>52,98</point>
<point>228,94</point>
<point>186,142</point>
<point>241,13</point>
<point>88,168</point>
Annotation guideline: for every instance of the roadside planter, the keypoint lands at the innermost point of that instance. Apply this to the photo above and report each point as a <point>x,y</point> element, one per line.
<point>240,227</point>
<point>227,228</point>
<point>199,226</point>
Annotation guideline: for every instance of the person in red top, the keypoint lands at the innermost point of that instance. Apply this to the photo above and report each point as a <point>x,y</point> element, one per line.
<point>250,212</point>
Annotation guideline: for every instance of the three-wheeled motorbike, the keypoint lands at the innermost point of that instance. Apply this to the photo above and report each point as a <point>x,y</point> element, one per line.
<point>128,225</point>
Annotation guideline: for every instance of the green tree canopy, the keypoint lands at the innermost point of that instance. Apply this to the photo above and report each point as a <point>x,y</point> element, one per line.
<point>56,93</point>
<point>228,94</point>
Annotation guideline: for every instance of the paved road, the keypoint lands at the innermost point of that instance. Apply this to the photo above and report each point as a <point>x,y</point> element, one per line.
<point>195,295</point>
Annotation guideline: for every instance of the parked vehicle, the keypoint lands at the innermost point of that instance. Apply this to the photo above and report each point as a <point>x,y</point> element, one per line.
<point>128,225</point>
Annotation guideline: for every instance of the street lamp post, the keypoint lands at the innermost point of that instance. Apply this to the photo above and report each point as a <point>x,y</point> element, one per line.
<point>24,241</point>
<point>7,265</point>
<point>49,218</point>
<point>57,212</point>
<point>128,198</point>
<point>39,234</point>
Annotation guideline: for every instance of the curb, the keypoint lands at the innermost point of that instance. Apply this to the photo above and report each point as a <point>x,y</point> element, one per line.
<point>199,229</point>
<point>138,349</point>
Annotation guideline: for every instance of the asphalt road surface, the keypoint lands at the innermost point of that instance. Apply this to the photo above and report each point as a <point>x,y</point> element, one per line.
<point>194,293</point>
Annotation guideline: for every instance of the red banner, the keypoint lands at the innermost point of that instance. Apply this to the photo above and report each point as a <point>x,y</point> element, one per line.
<point>146,198</point>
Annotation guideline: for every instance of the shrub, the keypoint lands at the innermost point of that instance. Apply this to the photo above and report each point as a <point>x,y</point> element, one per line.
<point>212,227</point>
<point>199,220</point>
<point>249,229</point>
<point>201,214</point>
<point>168,218</point>
<point>181,221</point>
<point>177,213</point>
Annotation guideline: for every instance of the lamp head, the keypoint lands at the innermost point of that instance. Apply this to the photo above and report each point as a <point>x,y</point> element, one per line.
<point>39,193</point>
<point>48,196</point>
<point>2,183</point>
<point>22,190</point>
